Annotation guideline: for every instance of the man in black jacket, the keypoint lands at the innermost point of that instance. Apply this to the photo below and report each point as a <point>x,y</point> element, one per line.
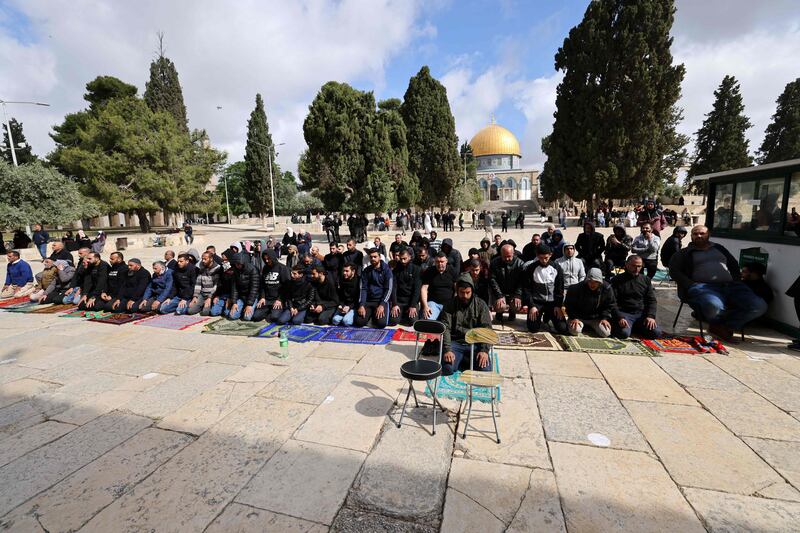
<point>590,246</point>
<point>377,286</point>
<point>672,245</point>
<point>134,283</point>
<point>349,290</point>
<point>244,289</point>
<point>326,297</point>
<point>184,277</point>
<point>407,283</point>
<point>298,294</point>
<point>95,282</point>
<point>423,259</point>
<point>709,281</point>
<point>453,255</point>
<point>636,302</point>
<point>116,275</point>
<point>60,252</point>
<point>354,255</point>
<point>506,275</point>
<point>591,303</point>
<point>273,276</point>
<point>438,286</point>
<point>334,261</point>
<point>544,292</point>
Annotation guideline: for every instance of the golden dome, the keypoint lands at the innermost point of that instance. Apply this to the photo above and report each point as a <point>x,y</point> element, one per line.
<point>494,140</point>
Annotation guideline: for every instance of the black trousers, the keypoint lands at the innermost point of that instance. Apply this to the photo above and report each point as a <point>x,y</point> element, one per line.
<point>546,314</point>
<point>403,318</point>
<point>369,316</point>
<point>651,266</point>
<point>267,312</point>
<point>321,319</point>
<point>122,307</point>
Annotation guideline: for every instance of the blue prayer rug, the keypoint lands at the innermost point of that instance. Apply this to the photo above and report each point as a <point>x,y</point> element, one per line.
<point>357,335</point>
<point>302,333</point>
<point>453,388</point>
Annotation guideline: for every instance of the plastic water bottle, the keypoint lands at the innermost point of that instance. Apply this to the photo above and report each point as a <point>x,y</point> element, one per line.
<point>284,341</point>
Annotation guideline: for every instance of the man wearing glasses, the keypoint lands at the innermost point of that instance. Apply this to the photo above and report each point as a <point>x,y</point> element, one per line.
<point>646,246</point>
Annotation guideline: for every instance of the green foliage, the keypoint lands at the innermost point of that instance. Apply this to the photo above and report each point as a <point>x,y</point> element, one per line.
<point>431,135</point>
<point>233,176</point>
<point>782,139</point>
<point>466,195</point>
<point>24,155</point>
<point>406,184</point>
<point>163,91</point>
<point>258,153</point>
<point>615,118</point>
<point>721,143</point>
<point>33,193</point>
<point>104,88</point>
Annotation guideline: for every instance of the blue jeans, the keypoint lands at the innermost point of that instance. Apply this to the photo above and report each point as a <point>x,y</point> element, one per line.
<point>171,306</point>
<point>461,351</point>
<point>732,304</point>
<point>436,310</point>
<point>239,313</point>
<point>635,322</point>
<point>73,298</point>
<point>219,307</point>
<point>344,320</point>
<point>42,249</point>
<point>287,318</point>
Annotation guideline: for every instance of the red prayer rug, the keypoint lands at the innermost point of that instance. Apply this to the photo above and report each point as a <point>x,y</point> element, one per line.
<point>13,302</point>
<point>403,335</point>
<point>686,345</point>
<point>171,321</point>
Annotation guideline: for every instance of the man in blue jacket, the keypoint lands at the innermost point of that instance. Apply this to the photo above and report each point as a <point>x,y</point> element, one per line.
<point>40,238</point>
<point>376,293</point>
<point>19,277</point>
<point>159,288</point>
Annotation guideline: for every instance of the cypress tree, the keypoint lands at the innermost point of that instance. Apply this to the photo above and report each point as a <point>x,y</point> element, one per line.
<point>431,134</point>
<point>615,108</point>
<point>257,155</point>
<point>25,154</point>
<point>407,186</point>
<point>163,91</point>
<point>721,143</point>
<point>782,139</point>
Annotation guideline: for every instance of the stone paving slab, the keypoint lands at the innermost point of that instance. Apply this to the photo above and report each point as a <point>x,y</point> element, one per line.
<point>748,414</point>
<point>309,380</point>
<point>304,480</point>
<point>257,373</point>
<point>618,490</point>
<point>12,372</point>
<point>225,458</point>
<point>97,383</point>
<point>572,408</point>
<point>77,368</point>
<point>23,388</point>
<point>139,363</point>
<point>94,406</point>
<point>522,440</point>
<point>574,364</point>
<point>353,417</point>
<point>405,475</point>
<point>639,378</point>
<point>162,400</point>
<point>541,507</point>
<point>351,352</point>
<point>465,515</point>
<point>19,416</point>
<point>246,519</point>
<point>698,451</point>
<point>780,491</point>
<point>381,364</point>
<point>697,372</point>
<point>41,468</point>
<point>52,358</point>
<point>773,383</point>
<point>744,514</point>
<point>782,456</point>
<point>31,438</point>
<point>71,503</point>
<point>202,412</point>
<point>514,364</point>
<point>498,488</point>
<point>790,364</point>
<point>356,521</point>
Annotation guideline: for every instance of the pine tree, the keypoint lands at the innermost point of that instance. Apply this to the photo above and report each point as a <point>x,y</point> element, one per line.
<point>721,143</point>
<point>163,91</point>
<point>258,153</point>
<point>782,139</point>
<point>431,134</point>
<point>24,154</point>
<point>615,107</point>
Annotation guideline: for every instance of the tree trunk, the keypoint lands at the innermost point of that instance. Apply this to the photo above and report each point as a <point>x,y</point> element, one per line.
<point>144,221</point>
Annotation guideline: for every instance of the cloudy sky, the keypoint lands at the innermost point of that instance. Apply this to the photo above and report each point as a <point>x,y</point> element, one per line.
<point>495,58</point>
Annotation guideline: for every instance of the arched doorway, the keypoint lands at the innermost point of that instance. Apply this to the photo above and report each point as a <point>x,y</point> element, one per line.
<point>493,192</point>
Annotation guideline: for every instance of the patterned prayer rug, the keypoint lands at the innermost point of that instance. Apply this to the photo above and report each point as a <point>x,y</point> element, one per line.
<point>172,321</point>
<point>522,340</point>
<point>119,318</point>
<point>48,309</point>
<point>86,314</point>
<point>303,333</point>
<point>24,307</point>
<point>607,345</point>
<point>453,388</point>
<point>404,335</point>
<point>357,335</point>
<point>13,302</point>
<point>233,327</point>
<point>685,345</point>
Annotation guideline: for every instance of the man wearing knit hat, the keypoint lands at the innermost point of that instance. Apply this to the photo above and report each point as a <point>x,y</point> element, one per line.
<point>591,303</point>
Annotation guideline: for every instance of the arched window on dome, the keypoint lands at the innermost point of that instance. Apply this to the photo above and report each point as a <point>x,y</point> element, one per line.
<point>483,184</point>
<point>498,183</point>
<point>510,184</point>
<point>524,184</point>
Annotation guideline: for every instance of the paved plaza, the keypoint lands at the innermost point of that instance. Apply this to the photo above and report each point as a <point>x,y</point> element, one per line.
<point>132,428</point>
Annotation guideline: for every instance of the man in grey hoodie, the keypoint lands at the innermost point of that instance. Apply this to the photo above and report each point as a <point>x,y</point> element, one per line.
<point>208,272</point>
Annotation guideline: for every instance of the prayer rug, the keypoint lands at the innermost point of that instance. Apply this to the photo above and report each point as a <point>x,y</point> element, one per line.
<point>24,307</point>
<point>172,321</point>
<point>522,340</point>
<point>48,309</point>
<point>607,345</point>
<point>302,333</point>
<point>357,335</point>
<point>86,314</point>
<point>403,335</point>
<point>661,275</point>
<point>685,345</point>
<point>12,302</point>
<point>451,387</point>
<point>119,318</point>
<point>233,327</point>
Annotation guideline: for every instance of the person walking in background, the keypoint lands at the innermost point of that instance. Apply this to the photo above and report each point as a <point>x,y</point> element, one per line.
<point>40,240</point>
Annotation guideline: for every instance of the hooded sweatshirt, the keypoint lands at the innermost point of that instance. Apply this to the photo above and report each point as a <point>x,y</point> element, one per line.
<point>590,246</point>
<point>458,318</point>
<point>408,281</point>
<point>618,252</point>
<point>583,303</point>
<point>325,293</point>
<point>573,268</point>
<point>272,277</point>
<point>245,281</point>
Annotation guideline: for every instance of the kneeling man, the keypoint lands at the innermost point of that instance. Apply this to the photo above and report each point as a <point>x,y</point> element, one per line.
<point>636,302</point>
<point>591,303</point>
<point>461,314</point>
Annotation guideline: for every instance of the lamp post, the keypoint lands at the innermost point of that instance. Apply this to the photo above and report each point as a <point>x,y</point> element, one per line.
<point>271,184</point>
<point>227,205</point>
<point>8,126</point>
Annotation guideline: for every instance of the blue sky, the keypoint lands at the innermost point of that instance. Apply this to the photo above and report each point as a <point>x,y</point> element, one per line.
<point>495,58</point>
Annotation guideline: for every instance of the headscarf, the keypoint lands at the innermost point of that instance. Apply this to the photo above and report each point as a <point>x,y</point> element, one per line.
<point>289,231</point>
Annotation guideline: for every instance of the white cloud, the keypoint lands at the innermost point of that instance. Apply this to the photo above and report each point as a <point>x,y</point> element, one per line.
<point>225,53</point>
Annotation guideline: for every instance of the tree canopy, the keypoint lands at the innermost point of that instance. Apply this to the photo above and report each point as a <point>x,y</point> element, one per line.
<point>615,116</point>
<point>25,154</point>
<point>782,139</point>
<point>258,154</point>
<point>163,91</point>
<point>33,193</point>
<point>721,143</point>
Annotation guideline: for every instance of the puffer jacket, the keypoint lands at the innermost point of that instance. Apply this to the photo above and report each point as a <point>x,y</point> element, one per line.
<point>506,278</point>
<point>245,281</point>
<point>207,280</point>
<point>458,318</point>
<point>583,303</point>
<point>183,282</point>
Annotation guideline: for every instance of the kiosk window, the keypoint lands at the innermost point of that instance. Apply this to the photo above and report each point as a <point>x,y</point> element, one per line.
<point>745,205</point>
<point>793,209</point>
<point>767,215</point>
<point>722,206</point>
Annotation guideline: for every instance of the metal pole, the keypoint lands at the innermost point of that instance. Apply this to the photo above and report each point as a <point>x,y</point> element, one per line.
<point>227,205</point>
<point>272,188</point>
<point>10,137</point>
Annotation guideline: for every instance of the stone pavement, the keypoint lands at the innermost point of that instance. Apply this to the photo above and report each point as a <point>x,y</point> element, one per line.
<point>131,428</point>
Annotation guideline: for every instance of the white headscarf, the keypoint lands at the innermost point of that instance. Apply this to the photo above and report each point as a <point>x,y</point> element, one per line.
<point>289,231</point>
